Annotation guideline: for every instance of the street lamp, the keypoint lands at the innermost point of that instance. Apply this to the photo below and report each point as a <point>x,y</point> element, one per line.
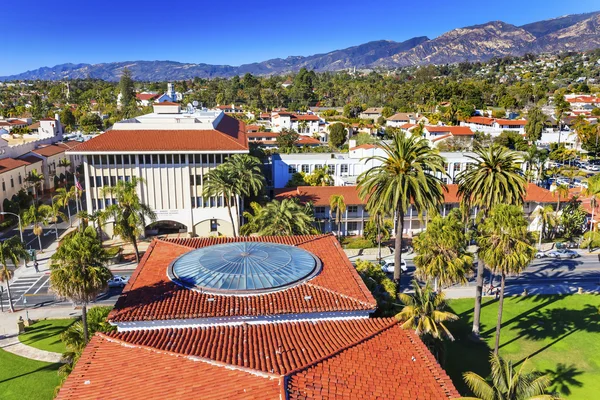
<point>20,230</point>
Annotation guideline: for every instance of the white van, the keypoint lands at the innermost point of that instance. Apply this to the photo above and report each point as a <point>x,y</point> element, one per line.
<point>387,265</point>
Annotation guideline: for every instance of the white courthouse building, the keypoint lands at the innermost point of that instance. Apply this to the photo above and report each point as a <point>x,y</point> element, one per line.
<point>172,150</point>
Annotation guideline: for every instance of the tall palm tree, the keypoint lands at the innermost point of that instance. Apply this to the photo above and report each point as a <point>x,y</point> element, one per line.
<point>494,177</point>
<point>546,219</point>
<point>561,192</point>
<point>11,249</point>
<point>219,182</point>
<point>303,126</point>
<point>78,270</point>
<point>441,252</point>
<point>279,218</point>
<point>424,311</point>
<point>63,197</point>
<point>35,180</point>
<point>247,177</point>
<point>38,217</point>
<point>99,218</point>
<point>65,163</point>
<point>593,190</point>
<point>505,245</point>
<point>337,207</point>
<point>508,384</point>
<point>129,213</point>
<point>406,174</point>
<point>54,215</point>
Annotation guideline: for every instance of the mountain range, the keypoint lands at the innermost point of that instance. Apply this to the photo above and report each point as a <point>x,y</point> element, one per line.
<point>578,32</point>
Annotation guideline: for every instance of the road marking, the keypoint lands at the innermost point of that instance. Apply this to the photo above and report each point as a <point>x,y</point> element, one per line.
<point>40,278</point>
<point>41,286</point>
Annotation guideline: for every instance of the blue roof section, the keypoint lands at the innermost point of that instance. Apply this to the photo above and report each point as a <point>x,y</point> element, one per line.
<point>244,267</point>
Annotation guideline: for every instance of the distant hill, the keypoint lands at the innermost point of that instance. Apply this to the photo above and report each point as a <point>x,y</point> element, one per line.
<point>473,43</point>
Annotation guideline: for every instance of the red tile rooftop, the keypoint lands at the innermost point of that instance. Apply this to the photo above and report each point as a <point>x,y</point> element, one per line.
<point>151,296</point>
<point>230,134</point>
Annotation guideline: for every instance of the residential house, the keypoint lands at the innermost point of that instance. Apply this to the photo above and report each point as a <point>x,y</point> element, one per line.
<point>371,113</point>
<point>399,119</point>
<point>304,124</point>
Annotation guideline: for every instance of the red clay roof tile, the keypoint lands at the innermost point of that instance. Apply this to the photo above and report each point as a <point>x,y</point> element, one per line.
<point>8,164</point>
<point>229,135</point>
<point>151,295</point>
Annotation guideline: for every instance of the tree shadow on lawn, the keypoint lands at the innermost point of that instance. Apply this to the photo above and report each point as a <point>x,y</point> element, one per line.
<point>49,367</point>
<point>43,331</point>
<point>563,378</point>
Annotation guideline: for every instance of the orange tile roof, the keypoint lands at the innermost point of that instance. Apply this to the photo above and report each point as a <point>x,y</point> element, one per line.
<point>8,164</point>
<point>511,122</point>
<point>454,130</point>
<point>407,126</point>
<point>49,150</point>
<point>146,373</point>
<point>151,295</point>
<point>305,117</point>
<point>30,159</point>
<point>534,194</point>
<point>365,146</point>
<point>69,144</point>
<point>481,121</point>
<point>229,135</point>
<point>307,140</point>
<point>394,364</point>
<point>146,96</point>
<point>402,117</point>
<point>319,195</point>
<point>342,359</point>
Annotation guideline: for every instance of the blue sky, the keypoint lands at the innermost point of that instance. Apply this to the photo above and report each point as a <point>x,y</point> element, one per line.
<point>49,32</point>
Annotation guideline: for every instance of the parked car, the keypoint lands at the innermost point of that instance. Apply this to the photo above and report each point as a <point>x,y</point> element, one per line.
<point>541,254</point>
<point>563,253</point>
<point>118,281</point>
<point>387,265</point>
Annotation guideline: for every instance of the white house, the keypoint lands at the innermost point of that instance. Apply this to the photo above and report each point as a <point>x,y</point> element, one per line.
<point>399,119</point>
<point>304,124</point>
<point>173,151</point>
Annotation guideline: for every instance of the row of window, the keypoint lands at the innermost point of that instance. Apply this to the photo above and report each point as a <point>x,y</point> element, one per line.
<point>12,183</point>
<point>156,159</point>
<point>306,168</point>
<point>349,209</point>
<point>208,202</point>
<point>100,181</point>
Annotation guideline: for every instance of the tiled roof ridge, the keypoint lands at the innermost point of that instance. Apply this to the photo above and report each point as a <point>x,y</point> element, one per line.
<point>132,279</point>
<point>173,242</point>
<point>318,287</point>
<point>393,322</point>
<point>251,371</point>
<point>433,366</point>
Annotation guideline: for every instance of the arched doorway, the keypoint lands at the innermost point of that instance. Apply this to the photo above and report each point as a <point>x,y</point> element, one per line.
<point>165,228</point>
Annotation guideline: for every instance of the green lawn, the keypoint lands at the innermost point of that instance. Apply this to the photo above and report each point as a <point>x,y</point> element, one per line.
<point>559,334</point>
<point>24,379</point>
<point>45,334</point>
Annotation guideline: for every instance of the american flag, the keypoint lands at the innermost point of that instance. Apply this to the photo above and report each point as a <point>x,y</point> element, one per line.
<point>77,184</point>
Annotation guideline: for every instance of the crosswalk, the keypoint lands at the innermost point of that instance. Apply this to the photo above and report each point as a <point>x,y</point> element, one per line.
<point>19,287</point>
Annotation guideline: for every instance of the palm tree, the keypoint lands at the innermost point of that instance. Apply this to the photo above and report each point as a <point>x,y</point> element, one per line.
<point>129,213</point>
<point>441,252</point>
<point>63,197</point>
<point>547,219</point>
<point>303,126</point>
<point>406,174</point>
<point>35,180</point>
<point>38,217</point>
<point>321,177</point>
<point>505,247</point>
<point>508,384</point>
<point>54,215</point>
<point>98,218</point>
<point>593,190</point>
<point>561,191</point>
<point>494,177</point>
<point>247,177</point>
<point>425,312</point>
<point>219,182</point>
<point>78,270</point>
<point>65,163</point>
<point>337,206</point>
<point>279,218</point>
<point>11,249</point>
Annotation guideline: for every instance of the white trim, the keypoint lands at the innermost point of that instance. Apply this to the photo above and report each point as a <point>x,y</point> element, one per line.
<point>123,326</point>
<point>101,152</point>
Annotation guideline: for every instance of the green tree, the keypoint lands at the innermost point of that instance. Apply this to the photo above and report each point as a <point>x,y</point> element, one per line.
<point>126,89</point>
<point>129,213</point>
<point>279,218</point>
<point>35,180</point>
<point>406,175</point>
<point>63,197</point>
<point>546,219</point>
<point>560,192</point>
<point>511,140</point>
<point>37,215</point>
<point>90,123</point>
<point>593,190</point>
<point>219,182</point>
<point>536,120</point>
<point>441,252</point>
<point>378,283</point>
<point>78,271</point>
<point>494,177</point>
<point>337,134</point>
<point>67,119</point>
<point>10,250</point>
<point>378,229</point>
<point>508,384</point>
<point>425,313</point>
<point>247,178</point>
<point>296,180</point>
<point>572,219</point>
<point>561,106</point>
<point>321,176</point>
<point>65,163</point>
<point>286,140</point>
<point>505,246</point>
<point>337,209</point>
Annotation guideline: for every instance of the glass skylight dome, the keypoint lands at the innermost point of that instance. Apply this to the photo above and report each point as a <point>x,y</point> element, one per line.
<point>244,267</point>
